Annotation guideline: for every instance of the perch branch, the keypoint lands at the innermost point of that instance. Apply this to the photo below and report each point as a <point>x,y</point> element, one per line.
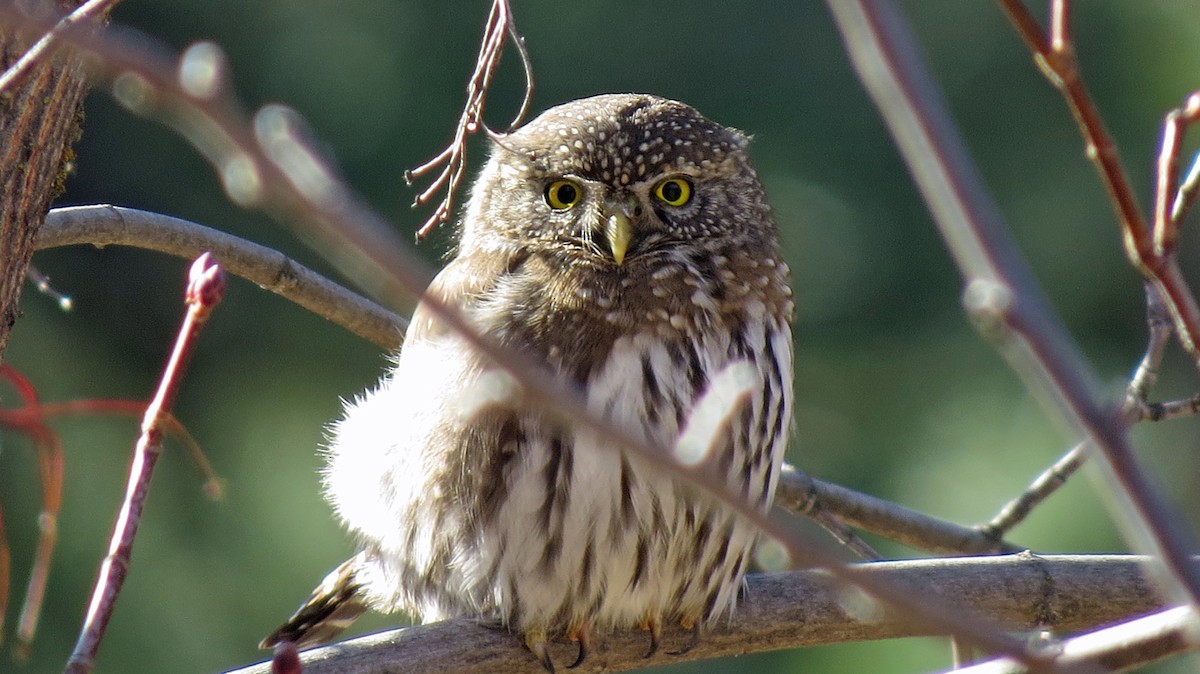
<point>790,610</point>
<point>103,225</point>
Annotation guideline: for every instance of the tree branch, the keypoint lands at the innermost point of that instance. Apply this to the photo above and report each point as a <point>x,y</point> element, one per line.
<point>789,610</point>
<point>104,225</point>
<point>1115,649</point>
<point>803,494</point>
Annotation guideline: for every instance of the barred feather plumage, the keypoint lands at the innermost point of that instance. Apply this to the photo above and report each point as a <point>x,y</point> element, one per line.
<point>468,503</point>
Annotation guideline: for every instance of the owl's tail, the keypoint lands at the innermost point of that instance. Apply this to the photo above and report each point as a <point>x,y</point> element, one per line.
<point>336,603</point>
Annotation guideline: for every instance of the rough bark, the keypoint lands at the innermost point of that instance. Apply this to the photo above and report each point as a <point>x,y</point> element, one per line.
<point>39,119</point>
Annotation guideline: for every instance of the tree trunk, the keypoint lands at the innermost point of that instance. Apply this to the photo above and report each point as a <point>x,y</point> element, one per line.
<point>39,119</point>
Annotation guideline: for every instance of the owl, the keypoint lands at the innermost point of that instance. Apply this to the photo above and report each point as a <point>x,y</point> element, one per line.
<point>624,242</point>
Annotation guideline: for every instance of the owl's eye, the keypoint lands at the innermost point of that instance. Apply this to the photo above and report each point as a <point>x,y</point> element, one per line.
<point>674,191</point>
<point>563,194</point>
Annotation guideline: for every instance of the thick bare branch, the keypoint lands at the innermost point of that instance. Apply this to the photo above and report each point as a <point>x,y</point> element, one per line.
<point>104,225</point>
<point>789,610</point>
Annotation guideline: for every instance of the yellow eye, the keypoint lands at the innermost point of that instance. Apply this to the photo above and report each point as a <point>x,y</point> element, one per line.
<point>563,194</point>
<point>674,191</point>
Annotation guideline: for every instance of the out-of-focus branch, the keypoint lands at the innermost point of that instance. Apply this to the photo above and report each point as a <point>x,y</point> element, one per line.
<point>1158,322</point>
<point>789,610</point>
<point>1001,293</point>
<point>92,10</point>
<point>104,225</point>
<point>1116,649</point>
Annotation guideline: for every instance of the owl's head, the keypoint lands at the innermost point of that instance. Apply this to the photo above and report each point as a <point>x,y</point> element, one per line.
<point>615,179</point>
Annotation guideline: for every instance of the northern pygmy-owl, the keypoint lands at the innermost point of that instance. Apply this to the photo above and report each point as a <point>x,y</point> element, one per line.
<point>624,241</point>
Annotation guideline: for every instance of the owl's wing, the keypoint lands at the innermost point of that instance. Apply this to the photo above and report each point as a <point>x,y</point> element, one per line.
<point>382,452</point>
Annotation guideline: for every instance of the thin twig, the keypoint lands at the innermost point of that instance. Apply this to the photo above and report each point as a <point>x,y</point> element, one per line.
<point>803,494</point>
<point>1001,293</point>
<point>1015,511</point>
<point>790,609</point>
<point>205,287</point>
<point>453,158</point>
<point>1188,190</point>
<point>1171,201</point>
<point>1159,329</point>
<point>16,73</point>
<point>105,225</point>
<point>846,536</point>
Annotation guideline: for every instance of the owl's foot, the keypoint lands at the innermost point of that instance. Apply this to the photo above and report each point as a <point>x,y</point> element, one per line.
<point>581,633</point>
<point>535,641</point>
<point>692,624</point>
<point>654,626</point>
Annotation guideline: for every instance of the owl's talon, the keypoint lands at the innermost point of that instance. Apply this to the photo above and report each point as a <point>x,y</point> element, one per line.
<point>694,626</point>
<point>535,641</point>
<point>582,634</point>
<point>653,626</point>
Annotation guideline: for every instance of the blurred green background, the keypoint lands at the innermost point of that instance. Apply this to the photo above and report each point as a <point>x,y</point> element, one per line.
<point>897,395</point>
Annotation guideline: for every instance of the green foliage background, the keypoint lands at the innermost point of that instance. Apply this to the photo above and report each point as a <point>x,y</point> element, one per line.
<point>897,394</point>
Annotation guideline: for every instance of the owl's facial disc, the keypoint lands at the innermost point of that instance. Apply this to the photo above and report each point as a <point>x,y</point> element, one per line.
<point>619,217</point>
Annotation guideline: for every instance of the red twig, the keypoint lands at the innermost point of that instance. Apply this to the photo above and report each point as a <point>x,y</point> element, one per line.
<point>1149,250</point>
<point>1170,202</point>
<point>31,419</point>
<point>50,476</point>
<point>206,285</point>
<point>500,26</point>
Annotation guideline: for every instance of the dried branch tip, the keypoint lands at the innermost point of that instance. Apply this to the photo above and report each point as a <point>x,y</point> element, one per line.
<point>453,159</point>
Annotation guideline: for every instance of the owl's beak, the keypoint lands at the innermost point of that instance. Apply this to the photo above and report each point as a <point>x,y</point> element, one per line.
<point>618,226</point>
<point>618,229</point>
